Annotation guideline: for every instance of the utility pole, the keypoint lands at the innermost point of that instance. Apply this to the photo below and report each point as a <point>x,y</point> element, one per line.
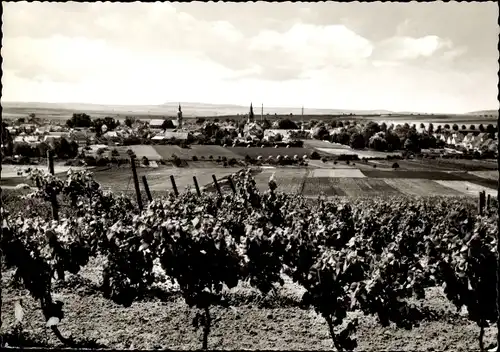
<point>302,118</point>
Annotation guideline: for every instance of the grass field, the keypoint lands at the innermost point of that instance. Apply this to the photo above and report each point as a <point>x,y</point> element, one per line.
<point>200,151</point>
<point>269,151</point>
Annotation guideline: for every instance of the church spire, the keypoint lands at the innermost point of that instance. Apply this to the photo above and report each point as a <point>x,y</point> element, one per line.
<point>250,114</point>
<point>179,117</point>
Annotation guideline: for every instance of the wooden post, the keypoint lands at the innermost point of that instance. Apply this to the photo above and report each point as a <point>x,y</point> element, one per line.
<point>217,185</point>
<point>231,184</point>
<point>53,197</point>
<point>488,201</point>
<point>481,203</point>
<point>136,183</point>
<point>146,188</point>
<point>174,186</point>
<point>50,161</point>
<point>196,186</point>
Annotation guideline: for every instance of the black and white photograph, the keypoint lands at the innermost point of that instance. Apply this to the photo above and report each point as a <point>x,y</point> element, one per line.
<point>250,176</point>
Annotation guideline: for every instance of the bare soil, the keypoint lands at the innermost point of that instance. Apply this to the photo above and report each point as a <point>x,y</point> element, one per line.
<point>253,322</point>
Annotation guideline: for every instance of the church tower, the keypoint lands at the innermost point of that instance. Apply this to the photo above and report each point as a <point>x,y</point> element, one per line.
<point>179,117</point>
<point>250,114</point>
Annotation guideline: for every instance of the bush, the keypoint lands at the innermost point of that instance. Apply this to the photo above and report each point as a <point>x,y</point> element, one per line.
<point>194,158</point>
<point>90,161</point>
<point>335,162</point>
<point>395,166</point>
<point>315,156</point>
<point>347,162</point>
<point>374,166</point>
<point>324,160</point>
<point>177,162</point>
<point>211,157</point>
<point>102,162</point>
<point>232,161</point>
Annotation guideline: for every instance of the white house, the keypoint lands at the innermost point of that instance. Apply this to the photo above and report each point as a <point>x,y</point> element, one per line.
<point>455,139</point>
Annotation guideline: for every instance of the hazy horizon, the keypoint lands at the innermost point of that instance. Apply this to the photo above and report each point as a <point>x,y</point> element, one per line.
<point>320,55</point>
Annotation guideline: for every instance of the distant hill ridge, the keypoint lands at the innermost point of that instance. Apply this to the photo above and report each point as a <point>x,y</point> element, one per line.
<point>194,109</point>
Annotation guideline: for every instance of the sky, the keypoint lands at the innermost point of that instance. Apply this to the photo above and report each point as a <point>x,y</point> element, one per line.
<point>423,57</point>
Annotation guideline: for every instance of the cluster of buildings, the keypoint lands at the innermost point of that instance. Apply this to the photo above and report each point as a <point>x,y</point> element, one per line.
<point>469,141</point>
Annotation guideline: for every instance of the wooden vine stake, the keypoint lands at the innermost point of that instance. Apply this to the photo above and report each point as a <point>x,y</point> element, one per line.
<point>53,197</point>
<point>217,185</point>
<point>146,188</point>
<point>231,184</point>
<point>481,202</point>
<point>196,186</point>
<point>174,186</point>
<point>136,182</point>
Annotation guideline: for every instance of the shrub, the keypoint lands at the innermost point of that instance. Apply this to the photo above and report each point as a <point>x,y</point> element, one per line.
<point>395,165</point>
<point>195,158</point>
<point>315,156</point>
<point>324,160</point>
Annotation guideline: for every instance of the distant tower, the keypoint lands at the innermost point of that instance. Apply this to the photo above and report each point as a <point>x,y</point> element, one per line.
<point>179,117</point>
<point>250,114</point>
<point>302,118</point>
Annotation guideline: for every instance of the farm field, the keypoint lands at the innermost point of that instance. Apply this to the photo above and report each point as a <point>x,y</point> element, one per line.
<point>468,188</point>
<point>200,151</point>
<point>10,171</point>
<point>333,173</point>
<point>455,164</point>
<point>140,151</point>
<point>421,187</point>
<point>360,153</point>
<point>288,180</point>
<point>120,179</point>
<point>354,183</point>
<point>269,151</point>
<point>489,175</point>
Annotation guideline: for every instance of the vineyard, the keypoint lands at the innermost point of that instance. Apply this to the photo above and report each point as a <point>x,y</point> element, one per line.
<point>345,261</point>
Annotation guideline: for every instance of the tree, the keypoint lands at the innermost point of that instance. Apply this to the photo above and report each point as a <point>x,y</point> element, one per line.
<point>370,130</point>
<point>167,124</point>
<point>287,124</point>
<point>464,127</point>
<point>266,124</point>
<point>8,145</point>
<point>455,127</point>
<point>320,133</point>
<point>79,120</point>
<point>473,127</point>
<point>129,121</point>
<point>392,140</point>
<point>357,141</point>
<point>481,128</point>
<point>378,142</point>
